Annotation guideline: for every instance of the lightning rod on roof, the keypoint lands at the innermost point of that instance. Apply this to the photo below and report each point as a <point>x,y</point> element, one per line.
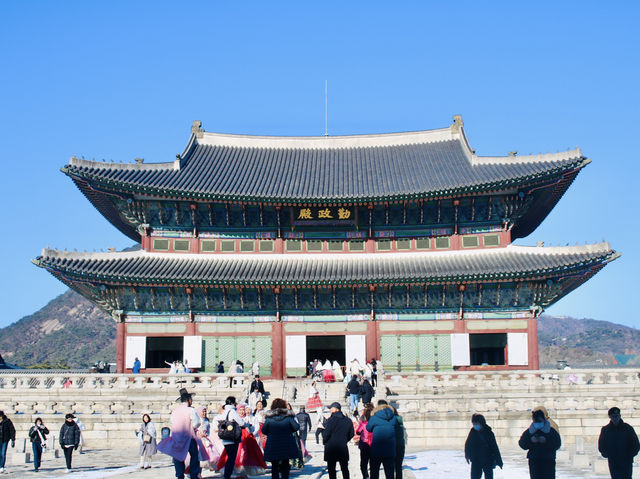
<point>326,131</point>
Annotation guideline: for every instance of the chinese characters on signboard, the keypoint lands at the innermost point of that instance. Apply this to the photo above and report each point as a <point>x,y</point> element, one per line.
<point>308,214</point>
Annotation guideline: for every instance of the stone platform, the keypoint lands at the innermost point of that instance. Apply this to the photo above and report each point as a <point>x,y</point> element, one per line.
<point>436,406</point>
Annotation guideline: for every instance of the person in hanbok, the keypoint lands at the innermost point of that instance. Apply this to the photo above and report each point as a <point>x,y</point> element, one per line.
<point>327,373</point>
<point>210,446</point>
<point>314,401</point>
<point>250,460</point>
<point>182,442</point>
<point>147,436</point>
<point>255,369</point>
<point>355,368</point>
<point>337,371</point>
<point>259,415</point>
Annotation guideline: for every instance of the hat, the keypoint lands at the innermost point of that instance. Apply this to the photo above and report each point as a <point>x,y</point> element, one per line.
<point>336,405</point>
<point>538,415</point>
<point>184,395</point>
<point>614,411</point>
<point>69,416</point>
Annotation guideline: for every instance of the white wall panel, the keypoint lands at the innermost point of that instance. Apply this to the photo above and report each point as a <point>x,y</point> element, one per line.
<point>135,347</point>
<point>192,352</point>
<point>356,348</point>
<point>296,351</point>
<point>517,349</point>
<point>460,352</point>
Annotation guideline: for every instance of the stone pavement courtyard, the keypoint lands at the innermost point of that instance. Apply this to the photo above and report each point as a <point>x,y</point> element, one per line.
<point>122,463</point>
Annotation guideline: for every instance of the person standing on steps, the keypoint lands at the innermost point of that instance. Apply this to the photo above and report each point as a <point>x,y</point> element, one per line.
<point>335,437</point>
<point>618,443</point>
<point>38,436</point>
<point>354,392</point>
<point>542,441</point>
<point>69,438</point>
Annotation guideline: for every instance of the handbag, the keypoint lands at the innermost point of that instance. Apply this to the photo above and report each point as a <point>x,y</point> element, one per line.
<point>229,430</point>
<point>146,438</point>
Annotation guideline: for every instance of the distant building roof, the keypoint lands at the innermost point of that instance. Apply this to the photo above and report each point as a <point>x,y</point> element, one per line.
<point>137,267</point>
<point>348,169</point>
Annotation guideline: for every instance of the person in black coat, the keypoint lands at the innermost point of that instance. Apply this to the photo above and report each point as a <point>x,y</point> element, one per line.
<point>69,438</point>
<point>618,442</point>
<point>304,420</point>
<point>279,426</point>
<point>366,391</point>
<point>38,436</point>
<point>257,385</point>
<point>481,449</point>
<point>335,437</point>
<point>542,441</point>
<point>7,434</point>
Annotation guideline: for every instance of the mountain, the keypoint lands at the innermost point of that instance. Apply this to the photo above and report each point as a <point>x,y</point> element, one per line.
<point>71,331</point>
<point>587,342</point>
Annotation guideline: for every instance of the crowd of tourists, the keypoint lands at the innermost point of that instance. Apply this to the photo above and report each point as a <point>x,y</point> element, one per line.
<point>241,438</point>
<point>329,372</point>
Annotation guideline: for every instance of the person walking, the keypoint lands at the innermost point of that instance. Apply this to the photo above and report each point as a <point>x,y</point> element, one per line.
<point>304,420</point>
<point>136,366</point>
<point>366,391</point>
<point>38,436</point>
<point>321,422</point>
<point>230,447</point>
<point>374,372</point>
<point>542,441</point>
<point>481,449</point>
<point>618,443</point>
<point>279,427</point>
<point>364,440</point>
<point>147,436</point>
<point>69,438</point>
<point>400,444</point>
<point>314,401</point>
<point>336,435</point>
<point>383,425</point>
<point>353,387</point>
<point>7,434</point>
<point>184,422</point>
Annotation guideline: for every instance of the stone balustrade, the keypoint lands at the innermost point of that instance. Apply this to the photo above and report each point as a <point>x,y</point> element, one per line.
<point>437,406</point>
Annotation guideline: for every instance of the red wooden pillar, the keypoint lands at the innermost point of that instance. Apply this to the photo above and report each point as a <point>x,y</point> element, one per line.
<point>277,351</point>
<point>372,342</point>
<point>120,344</point>
<point>532,336</point>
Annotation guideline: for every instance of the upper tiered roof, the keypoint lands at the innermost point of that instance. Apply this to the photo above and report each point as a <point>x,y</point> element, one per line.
<point>320,170</point>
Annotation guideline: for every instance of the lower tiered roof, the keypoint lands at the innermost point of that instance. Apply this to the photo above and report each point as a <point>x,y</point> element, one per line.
<point>150,268</point>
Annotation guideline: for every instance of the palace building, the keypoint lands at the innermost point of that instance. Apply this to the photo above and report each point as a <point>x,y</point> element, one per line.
<point>285,249</point>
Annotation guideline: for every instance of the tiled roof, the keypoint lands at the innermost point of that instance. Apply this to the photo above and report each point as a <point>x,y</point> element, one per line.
<point>282,269</point>
<point>324,169</point>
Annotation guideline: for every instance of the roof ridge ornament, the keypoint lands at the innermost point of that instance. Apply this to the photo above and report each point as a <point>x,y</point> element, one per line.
<point>457,125</point>
<point>196,129</point>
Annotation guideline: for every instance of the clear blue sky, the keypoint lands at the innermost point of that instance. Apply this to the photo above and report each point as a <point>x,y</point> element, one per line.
<point>118,80</point>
